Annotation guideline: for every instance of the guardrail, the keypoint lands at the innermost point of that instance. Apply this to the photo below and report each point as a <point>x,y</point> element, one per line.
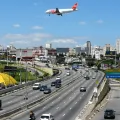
<point>13,88</point>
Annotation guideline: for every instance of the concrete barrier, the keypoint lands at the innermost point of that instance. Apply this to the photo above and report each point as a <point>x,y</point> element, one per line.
<point>104,88</point>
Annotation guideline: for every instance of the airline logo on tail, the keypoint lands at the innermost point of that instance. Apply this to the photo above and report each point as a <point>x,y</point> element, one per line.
<point>62,11</point>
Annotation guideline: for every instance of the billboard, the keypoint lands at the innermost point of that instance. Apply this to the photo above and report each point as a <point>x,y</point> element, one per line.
<point>111,73</point>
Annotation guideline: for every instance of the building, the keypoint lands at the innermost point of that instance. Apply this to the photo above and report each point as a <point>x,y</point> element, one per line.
<point>88,47</point>
<point>63,51</point>
<point>72,51</point>
<point>96,51</point>
<point>49,45</point>
<point>108,47</point>
<point>80,50</point>
<point>118,46</point>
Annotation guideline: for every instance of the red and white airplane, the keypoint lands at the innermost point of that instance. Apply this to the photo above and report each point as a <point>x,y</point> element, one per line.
<point>62,11</point>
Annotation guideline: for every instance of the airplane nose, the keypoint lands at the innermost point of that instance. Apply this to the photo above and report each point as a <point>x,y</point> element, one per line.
<point>47,11</point>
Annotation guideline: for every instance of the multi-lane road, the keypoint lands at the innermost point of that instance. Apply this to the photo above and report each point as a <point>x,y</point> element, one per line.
<point>113,103</point>
<point>64,105</point>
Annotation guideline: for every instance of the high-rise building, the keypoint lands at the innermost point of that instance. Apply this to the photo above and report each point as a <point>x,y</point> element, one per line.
<point>118,46</point>
<point>89,48</point>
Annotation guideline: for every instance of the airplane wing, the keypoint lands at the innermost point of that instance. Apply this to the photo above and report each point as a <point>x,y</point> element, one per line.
<point>58,12</point>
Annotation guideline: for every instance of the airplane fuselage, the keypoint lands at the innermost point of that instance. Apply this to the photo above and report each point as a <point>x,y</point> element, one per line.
<point>62,11</point>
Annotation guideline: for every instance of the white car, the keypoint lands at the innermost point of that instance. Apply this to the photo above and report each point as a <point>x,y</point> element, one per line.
<point>46,117</point>
<point>36,86</point>
<point>58,77</point>
<point>68,73</point>
<point>93,77</point>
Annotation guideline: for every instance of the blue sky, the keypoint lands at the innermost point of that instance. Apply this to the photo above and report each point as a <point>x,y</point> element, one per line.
<point>24,23</point>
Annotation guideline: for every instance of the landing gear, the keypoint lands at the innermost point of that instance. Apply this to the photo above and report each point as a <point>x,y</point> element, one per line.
<point>49,14</point>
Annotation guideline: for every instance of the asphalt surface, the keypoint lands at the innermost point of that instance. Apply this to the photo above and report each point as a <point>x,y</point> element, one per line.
<point>113,103</point>
<point>13,100</point>
<point>67,103</point>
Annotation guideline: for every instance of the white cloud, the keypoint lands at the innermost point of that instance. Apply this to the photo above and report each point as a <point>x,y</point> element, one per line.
<point>82,23</point>
<point>67,41</point>
<point>20,42</point>
<point>82,45</point>
<point>16,25</point>
<point>37,27</point>
<point>25,38</point>
<point>100,21</point>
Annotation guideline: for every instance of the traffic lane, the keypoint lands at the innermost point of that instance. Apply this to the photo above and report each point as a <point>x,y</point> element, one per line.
<point>113,103</point>
<point>48,106</point>
<point>12,96</point>
<point>20,100</point>
<point>77,106</point>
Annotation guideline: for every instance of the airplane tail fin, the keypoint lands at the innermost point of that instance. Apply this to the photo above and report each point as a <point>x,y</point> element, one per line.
<point>75,6</point>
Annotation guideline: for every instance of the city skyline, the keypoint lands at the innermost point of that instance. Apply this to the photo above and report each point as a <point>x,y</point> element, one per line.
<point>25,24</point>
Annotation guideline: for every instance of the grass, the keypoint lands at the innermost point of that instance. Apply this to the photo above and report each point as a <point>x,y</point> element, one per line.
<point>20,71</point>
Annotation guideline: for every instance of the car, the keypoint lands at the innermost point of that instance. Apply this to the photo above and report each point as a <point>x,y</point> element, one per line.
<point>46,117</point>
<point>43,87</point>
<point>58,85</point>
<point>93,77</point>
<point>66,68</point>
<point>58,81</point>
<point>109,114</point>
<point>82,89</point>
<point>47,91</point>
<point>96,70</point>
<point>68,73</point>
<point>53,83</point>
<point>58,77</point>
<point>36,86</point>
<point>87,78</point>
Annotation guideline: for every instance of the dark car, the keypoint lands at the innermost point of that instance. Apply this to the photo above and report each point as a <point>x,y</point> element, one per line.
<point>67,68</point>
<point>87,77</point>
<point>47,91</point>
<point>58,81</point>
<point>75,69</point>
<point>96,70</point>
<point>109,114</point>
<point>53,83</point>
<point>58,85</point>
<point>82,89</point>
<point>43,87</point>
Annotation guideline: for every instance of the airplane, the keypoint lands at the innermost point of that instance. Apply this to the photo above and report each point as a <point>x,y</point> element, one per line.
<point>62,11</point>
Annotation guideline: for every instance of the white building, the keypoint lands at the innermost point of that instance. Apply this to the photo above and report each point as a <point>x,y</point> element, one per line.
<point>118,46</point>
<point>49,45</point>
<point>97,51</point>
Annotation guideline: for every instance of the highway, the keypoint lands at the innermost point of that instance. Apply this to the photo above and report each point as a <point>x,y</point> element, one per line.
<point>113,103</point>
<point>16,99</point>
<point>67,103</point>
